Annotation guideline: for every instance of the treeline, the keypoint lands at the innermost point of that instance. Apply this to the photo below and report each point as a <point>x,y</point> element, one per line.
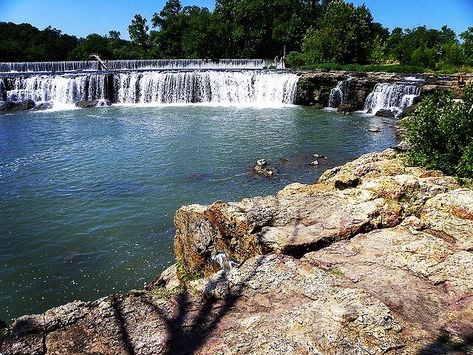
<point>312,32</point>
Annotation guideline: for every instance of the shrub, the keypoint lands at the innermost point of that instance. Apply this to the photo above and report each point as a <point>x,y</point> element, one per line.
<point>295,60</point>
<point>441,134</point>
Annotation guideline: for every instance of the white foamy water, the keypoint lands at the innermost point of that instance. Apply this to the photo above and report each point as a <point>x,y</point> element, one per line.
<point>394,97</point>
<point>219,88</point>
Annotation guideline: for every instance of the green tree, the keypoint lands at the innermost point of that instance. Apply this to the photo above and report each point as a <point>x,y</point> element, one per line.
<point>343,35</point>
<point>138,31</point>
<point>452,54</point>
<point>170,28</point>
<point>378,51</point>
<point>198,38</point>
<point>262,28</point>
<point>467,38</point>
<point>92,44</point>
<point>424,57</point>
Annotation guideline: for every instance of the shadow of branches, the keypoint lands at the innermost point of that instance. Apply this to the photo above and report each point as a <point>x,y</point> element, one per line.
<point>445,345</point>
<point>192,322</point>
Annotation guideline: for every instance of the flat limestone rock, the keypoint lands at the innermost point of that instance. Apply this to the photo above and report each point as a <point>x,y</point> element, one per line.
<point>269,305</point>
<point>424,280</point>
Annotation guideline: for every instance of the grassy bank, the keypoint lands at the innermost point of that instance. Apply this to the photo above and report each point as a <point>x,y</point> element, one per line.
<point>387,68</point>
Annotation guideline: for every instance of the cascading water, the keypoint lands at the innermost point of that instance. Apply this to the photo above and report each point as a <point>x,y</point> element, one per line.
<point>3,93</point>
<point>157,64</point>
<point>393,97</point>
<point>253,88</point>
<point>339,94</point>
<point>223,88</point>
<point>59,90</point>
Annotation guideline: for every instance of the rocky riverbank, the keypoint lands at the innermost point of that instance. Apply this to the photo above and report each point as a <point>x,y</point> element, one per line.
<point>374,258</point>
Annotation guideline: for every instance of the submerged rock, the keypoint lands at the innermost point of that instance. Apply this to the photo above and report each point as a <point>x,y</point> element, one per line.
<point>93,103</point>
<point>43,106</point>
<point>11,106</point>
<point>262,168</point>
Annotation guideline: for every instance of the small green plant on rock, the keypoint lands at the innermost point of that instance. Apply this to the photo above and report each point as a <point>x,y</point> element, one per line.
<point>186,276</point>
<point>441,134</point>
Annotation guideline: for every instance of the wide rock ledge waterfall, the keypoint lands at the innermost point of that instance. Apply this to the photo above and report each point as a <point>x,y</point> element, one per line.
<point>249,87</point>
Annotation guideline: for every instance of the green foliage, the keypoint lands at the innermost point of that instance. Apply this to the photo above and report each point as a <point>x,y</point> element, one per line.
<point>336,272</point>
<point>138,31</point>
<point>186,276</point>
<point>24,42</point>
<point>409,69</point>
<point>467,38</point>
<point>92,44</point>
<point>441,134</point>
<point>343,35</point>
<point>295,60</point>
<point>453,54</point>
<point>424,57</point>
<point>378,50</point>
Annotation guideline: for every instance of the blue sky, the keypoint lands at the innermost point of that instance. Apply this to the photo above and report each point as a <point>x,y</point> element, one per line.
<point>100,16</point>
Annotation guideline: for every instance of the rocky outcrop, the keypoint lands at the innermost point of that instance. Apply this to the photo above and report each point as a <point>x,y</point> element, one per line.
<point>374,258</point>
<point>314,87</point>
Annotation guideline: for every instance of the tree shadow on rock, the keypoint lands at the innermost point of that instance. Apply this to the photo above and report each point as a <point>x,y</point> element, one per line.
<point>122,326</point>
<point>191,323</point>
<point>444,344</point>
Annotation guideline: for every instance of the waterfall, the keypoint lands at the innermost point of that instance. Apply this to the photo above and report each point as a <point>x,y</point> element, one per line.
<point>3,92</point>
<point>253,88</point>
<point>393,97</point>
<point>339,94</point>
<point>213,87</point>
<point>59,90</point>
<point>156,64</point>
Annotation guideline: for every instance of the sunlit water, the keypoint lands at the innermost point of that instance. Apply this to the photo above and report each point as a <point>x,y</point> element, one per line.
<point>88,196</point>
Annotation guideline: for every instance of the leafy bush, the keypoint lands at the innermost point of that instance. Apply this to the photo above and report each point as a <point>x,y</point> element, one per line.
<point>441,134</point>
<point>295,60</point>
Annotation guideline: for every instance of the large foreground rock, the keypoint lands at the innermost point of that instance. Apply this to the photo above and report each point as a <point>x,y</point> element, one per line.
<point>376,258</point>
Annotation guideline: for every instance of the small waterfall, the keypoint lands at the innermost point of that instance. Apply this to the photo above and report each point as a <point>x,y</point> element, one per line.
<point>157,64</point>
<point>59,90</point>
<point>3,92</point>
<point>393,97</point>
<point>253,88</point>
<point>339,94</point>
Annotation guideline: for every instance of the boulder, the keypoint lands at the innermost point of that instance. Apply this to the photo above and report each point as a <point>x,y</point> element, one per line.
<point>93,103</point>
<point>11,106</point>
<point>385,113</point>
<point>261,168</point>
<point>43,106</point>
<point>347,108</point>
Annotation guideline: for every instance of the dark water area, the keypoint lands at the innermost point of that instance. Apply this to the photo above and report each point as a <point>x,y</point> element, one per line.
<point>87,197</point>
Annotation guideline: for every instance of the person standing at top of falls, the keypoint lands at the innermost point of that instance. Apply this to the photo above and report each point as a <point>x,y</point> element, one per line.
<point>461,81</point>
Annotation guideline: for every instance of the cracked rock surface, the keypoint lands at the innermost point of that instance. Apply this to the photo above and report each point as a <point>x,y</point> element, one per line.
<point>375,258</point>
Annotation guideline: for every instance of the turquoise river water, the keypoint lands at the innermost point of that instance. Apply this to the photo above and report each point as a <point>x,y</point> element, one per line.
<point>87,197</point>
